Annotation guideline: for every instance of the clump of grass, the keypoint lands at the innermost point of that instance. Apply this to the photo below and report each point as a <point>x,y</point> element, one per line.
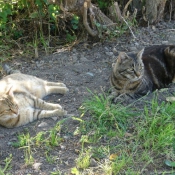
<point>105,117</point>
<point>43,140</point>
<point>120,149</point>
<point>156,129</point>
<point>3,171</point>
<point>83,161</point>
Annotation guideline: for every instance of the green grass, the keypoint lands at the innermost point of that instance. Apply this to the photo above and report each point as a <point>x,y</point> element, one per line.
<point>104,117</point>
<point>7,161</point>
<point>113,139</point>
<point>116,147</point>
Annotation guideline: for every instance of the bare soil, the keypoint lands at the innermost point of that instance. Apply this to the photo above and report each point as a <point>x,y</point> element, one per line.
<point>86,66</point>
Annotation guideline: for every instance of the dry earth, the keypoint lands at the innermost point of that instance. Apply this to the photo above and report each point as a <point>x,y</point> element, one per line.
<point>87,65</point>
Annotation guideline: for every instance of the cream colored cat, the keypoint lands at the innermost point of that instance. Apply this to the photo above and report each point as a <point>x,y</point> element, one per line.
<point>21,99</point>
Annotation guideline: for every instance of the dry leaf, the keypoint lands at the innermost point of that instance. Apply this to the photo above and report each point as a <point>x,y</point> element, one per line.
<point>170,99</point>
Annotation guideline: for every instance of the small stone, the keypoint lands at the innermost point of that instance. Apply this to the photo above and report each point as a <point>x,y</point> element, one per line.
<point>36,166</point>
<point>154,28</point>
<point>13,140</point>
<point>42,124</point>
<point>93,163</point>
<point>9,143</point>
<point>62,147</point>
<point>55,118</point>
<point>109,53</point>
<point>89,73</point>
<point>133,48</point>
<point>136,44</point>
<point>75,58</point>
<point>114,50</point>
<point>82,58</point>
<point>74,50</point>
<point>106,49</point>
<point>2,135</point>
<point>164,42</point>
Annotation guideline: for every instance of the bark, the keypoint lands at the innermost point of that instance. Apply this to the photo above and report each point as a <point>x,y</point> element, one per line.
<point>154,10</point>
<point>96,22</point>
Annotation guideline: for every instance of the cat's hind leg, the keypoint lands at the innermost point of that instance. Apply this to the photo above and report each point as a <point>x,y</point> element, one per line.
<point>56,90</point>
<point>49,83</point>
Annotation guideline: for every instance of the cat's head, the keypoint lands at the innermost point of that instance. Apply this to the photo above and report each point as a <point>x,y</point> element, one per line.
<point>129,66</point>
<point>8,106</point>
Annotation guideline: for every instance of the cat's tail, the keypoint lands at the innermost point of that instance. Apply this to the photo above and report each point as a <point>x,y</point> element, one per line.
<point>170,51</point>
<point>8,70</point>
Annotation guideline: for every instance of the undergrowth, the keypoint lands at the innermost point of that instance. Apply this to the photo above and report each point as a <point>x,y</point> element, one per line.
<point>122,140</point>
<point>112,138</point>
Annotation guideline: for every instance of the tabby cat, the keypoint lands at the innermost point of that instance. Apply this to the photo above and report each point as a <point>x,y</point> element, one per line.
<point>21,99</point>
<point>137,74</point>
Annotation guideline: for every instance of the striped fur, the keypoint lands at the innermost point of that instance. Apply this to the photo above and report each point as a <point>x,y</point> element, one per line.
<point>21,99</point>
<point>137,74</point>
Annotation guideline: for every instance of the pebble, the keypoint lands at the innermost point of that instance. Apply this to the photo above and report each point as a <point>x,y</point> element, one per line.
<point>133,48</point>
<point>93,163</point>
<point>89,73</point>
<point>42,124</point>
<point>62,147</point>
<point>36,166</point>
<point>164,42</point>
<point>2,135</point>
<point>55,118</point>
<point>109,53</point>
<point>82,58</point>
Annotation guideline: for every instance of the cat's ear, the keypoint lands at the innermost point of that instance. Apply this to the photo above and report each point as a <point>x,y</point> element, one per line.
<point>10,91</point>
<point>122,56</point>
<point>139,55</point>
<point>167,50</point>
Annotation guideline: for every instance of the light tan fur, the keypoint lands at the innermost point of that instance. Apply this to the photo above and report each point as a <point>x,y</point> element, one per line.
<point>21,99</point>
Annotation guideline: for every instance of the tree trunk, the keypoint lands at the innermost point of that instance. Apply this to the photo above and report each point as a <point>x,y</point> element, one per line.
<point>154,10</point>
<point>96,22</point>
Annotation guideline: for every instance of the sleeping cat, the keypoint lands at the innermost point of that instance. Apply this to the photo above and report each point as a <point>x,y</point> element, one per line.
<point>137,74</point>
<point>21,99</point>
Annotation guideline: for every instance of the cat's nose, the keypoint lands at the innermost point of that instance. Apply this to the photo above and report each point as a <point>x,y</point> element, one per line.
<point>15,111</point>
<point>137,74</point>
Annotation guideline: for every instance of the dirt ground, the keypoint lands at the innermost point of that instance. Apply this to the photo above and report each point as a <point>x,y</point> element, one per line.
<point>85,66</point>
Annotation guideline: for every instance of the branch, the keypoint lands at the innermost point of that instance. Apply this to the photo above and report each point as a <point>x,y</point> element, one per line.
<point>129,28</point>
<point>126,7</point>
<point>85,22</point>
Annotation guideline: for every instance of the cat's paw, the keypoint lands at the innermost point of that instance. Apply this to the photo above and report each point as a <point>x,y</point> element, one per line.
<point>60,112</point>
<point>66,90</point>
<point>62,85</point>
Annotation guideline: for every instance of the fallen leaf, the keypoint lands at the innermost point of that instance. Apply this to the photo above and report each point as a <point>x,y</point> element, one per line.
<point>169,163</point>
<point>113,156</point>
<point>170,99</point>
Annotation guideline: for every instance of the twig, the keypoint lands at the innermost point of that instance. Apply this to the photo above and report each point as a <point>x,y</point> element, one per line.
<point>91,32</point>
<point>129,27</point>
<point>170,10</point>
<point>126,7</point>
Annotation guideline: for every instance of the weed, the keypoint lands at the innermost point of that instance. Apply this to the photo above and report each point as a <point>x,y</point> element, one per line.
<point>56,172</point>
<point>156,129</point>
<point>105,117</point>
<point>7,165</point>
<point>83,161</point>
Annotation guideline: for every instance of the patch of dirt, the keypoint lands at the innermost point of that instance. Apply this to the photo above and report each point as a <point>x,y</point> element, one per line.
<point>86,66</point>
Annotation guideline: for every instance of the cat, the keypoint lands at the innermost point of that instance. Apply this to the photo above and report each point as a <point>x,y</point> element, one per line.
<point>21,98</point>
<point>150,69</point>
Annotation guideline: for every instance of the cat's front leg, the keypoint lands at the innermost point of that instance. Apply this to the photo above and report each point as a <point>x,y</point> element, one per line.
<point>38,114</point>
<point>41,104</point>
